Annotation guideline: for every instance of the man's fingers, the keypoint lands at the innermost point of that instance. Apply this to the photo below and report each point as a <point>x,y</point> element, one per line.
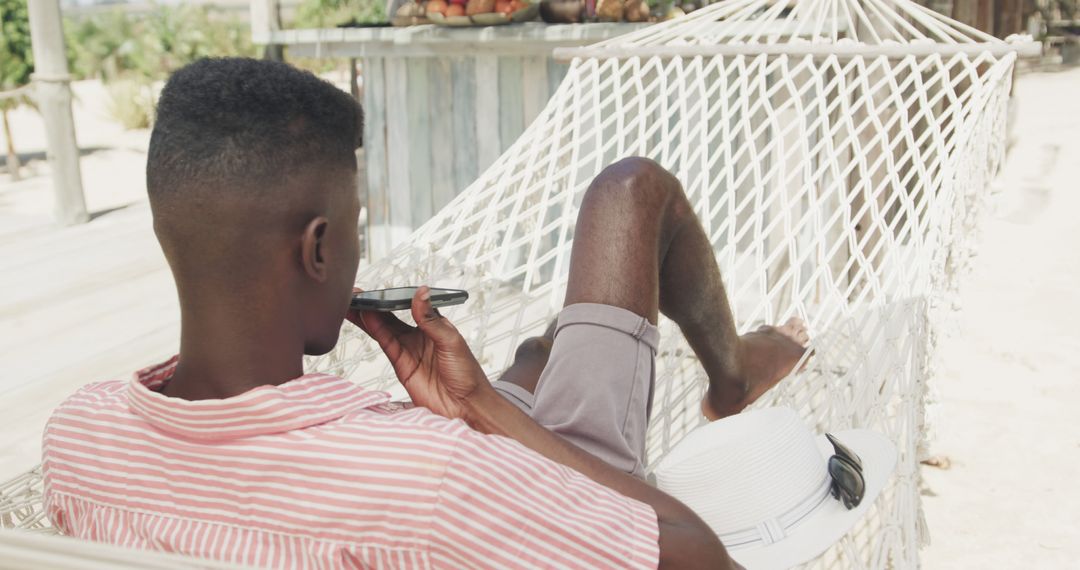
<point>378,326</point>
<point>386,328</point>
<point>353,316</point>
<point>429,320</point>
<point>376,319</point>
<point>374,324</point>
<point>421,305</point>
<point>386,322</point>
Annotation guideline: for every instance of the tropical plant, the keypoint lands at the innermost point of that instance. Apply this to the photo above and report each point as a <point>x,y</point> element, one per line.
<point>131,52</point>
<point>323,13</point>
<point>150,45</point>
<point>16,66</point>
<point>97,45</point>
<point>131,103</point>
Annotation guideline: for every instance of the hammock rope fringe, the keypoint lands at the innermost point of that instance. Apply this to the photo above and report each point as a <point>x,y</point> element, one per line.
<point>837,153</point>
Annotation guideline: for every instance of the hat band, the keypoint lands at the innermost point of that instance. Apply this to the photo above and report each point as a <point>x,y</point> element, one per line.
<point>775,529</point>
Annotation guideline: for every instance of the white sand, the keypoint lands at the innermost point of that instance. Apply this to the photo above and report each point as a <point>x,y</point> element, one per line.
<point>113,159</point>
<point>79,304</point>
<point>1008,381</point>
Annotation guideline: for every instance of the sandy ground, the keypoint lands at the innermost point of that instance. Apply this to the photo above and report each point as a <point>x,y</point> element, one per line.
<point>1010,377</point>
<point>77,304</point>
<point>113,160</point>
<point>72,313</point>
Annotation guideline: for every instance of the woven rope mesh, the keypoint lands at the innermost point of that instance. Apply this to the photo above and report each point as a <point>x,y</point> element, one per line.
<point>840,188</point>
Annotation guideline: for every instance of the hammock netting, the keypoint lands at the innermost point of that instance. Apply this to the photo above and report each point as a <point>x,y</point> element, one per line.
<point>836,152</point>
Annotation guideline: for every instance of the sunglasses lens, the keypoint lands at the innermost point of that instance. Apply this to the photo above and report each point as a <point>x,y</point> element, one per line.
<point>844,452</point>
<point>848,478</point>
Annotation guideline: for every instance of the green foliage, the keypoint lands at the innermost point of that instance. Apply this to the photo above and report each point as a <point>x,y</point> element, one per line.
<point>329,13</point>
<point>16,58</point>
<point>149,46</point>
<point>133,51</point>
<point>97,46</point>
<point>1067,8</point>
<point>131,103</point>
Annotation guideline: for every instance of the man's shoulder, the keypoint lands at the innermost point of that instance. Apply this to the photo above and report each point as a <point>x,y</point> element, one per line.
<point>408,428</point>
<point>101,402</point>
<point>404,420</point>
<point>109,393</point>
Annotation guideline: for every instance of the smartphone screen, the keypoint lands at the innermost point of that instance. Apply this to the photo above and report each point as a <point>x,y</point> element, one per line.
<point>400,298</point>
<point>395,294</point>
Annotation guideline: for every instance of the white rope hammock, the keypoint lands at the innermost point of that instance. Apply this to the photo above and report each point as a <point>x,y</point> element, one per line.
<point>835,151</point>
<point>843,28</point>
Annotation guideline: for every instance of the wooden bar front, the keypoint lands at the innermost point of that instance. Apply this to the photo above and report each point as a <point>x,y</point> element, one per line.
<point>441,105</point>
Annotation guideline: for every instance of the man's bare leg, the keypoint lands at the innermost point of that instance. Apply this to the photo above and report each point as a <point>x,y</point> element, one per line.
<point>530,358</point>
<point>639,246</point>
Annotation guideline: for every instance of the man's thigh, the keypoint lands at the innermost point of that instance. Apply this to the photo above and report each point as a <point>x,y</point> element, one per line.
<point>596,390</point>
<point>623,227</point>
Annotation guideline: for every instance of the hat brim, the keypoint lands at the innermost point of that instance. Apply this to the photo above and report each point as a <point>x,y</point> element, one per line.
<point>831,521</point>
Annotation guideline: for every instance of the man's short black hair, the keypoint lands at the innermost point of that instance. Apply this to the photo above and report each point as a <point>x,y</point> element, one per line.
<point>246,124</point>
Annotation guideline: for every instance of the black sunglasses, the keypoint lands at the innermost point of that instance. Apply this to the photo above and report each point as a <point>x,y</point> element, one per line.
<point>845,469</point>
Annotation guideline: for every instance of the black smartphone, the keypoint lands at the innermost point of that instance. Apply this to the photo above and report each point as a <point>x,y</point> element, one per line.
<point>400,298</point>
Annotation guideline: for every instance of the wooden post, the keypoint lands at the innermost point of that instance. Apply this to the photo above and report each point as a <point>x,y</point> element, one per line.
<point>354,85</point>
<point>260,21</point>
<point>53,85</point>
<point>265,18</point>
<point>976,13</point>
<point>1010,18</point>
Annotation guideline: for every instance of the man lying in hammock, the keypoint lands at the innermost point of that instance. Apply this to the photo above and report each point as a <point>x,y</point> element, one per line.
<point>230,451</point>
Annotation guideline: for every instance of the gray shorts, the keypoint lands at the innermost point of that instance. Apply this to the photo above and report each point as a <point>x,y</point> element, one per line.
<point>596,390</point>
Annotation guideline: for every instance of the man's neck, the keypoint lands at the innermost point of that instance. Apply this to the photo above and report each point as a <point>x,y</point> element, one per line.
<point>222,357</point>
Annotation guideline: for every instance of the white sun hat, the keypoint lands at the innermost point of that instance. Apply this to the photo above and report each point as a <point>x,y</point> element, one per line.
<point>760,479</point>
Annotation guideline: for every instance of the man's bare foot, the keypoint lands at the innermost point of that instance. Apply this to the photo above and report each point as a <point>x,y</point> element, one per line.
<point>767,355</point>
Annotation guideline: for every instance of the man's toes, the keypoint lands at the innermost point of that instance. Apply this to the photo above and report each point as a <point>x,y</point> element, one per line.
<point>795,329</point>
<point>792,326</point>
<point>802,336</point>
<point>795,324</point>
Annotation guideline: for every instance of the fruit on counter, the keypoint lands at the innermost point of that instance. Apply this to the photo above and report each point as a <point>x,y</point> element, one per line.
<point>410,10</point>
<point>437,6</point>
<point>504,6</point>
<point>636,11</point>
<point>562,11</point>
<point>673,13</point>
<point>479,7</point>
<point>455,10</point>
<point>609,10</point>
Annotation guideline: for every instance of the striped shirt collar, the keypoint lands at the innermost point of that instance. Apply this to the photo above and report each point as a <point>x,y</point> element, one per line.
<point>309,400</point>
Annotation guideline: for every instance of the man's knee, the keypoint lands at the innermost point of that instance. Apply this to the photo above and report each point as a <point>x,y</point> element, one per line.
<point>634,181</point>
<point>533,348</point>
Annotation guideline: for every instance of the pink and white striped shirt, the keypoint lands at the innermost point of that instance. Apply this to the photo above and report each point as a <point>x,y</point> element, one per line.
<point>321,473</point>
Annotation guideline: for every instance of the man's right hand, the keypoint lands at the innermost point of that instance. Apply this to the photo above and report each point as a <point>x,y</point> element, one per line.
<point>431,360</point>
<point>439,371</point>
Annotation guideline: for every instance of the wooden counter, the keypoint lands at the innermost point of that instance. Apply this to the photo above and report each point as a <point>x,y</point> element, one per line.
<point>441,105</point>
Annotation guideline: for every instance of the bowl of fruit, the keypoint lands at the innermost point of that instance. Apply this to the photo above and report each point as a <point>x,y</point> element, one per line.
<point>480,12</point>
<point>409,14</point>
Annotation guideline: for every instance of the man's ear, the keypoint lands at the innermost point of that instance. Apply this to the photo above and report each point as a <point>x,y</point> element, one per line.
<point>312,249</point>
